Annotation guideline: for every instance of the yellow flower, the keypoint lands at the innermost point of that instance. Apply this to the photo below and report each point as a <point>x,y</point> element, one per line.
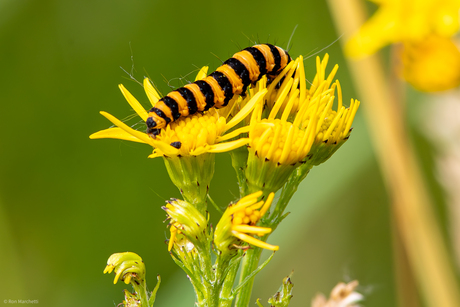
<point>431,65</point>
<point>188,144</point>
<point>239,220</point>
<point>430,59</point>
<point>127,266</point>
<point>189,136</point>
<point>307,127</point>
<point>130,268</point>
<point>186,221</point>
<point>404,20</point>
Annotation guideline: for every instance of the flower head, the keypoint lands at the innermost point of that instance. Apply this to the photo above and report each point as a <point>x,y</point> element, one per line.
<point>402,21</point>
<point>301,124</point>
<point>238,223</point>
<point>185,221</point>
<point>188,136</point>
<point>425,30</point>
<point>188,144</point>
<point>128,266</point>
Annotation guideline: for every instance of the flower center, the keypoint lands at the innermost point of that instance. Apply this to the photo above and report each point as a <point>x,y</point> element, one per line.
<point>247,216</point>
<point>194,131</point>
<point>278,141</point>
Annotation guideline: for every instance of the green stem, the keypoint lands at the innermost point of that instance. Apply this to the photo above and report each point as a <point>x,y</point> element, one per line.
<point>226,295</point>
<point>250,263</point>
<point>252,257</point>
<point>141,291</point>
<point>239,160</point>
<point>286,194</point>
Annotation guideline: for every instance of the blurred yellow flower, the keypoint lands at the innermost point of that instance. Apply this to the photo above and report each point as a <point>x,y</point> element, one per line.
<point>430,58</point>
<point>404,20</point>
<point>431,65</point>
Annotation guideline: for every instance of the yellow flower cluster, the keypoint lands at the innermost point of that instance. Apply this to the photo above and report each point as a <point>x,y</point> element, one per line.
<point>287,138</point>
<point>300,123</point>
<point>239,221</point>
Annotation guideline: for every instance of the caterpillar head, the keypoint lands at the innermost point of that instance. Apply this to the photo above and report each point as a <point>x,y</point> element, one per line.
<point>154,125</point>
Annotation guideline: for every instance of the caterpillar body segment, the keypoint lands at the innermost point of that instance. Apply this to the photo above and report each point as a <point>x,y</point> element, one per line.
<point>216,90</point>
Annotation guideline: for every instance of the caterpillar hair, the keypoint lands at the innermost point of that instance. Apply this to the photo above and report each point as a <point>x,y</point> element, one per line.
<point>216,90</point>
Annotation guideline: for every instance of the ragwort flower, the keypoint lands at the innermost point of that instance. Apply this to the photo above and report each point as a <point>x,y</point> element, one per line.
<point>307,130</point>
<point>189,136</point>
<point>185,221</point>
<point>424,28</point>
<point>130,268</point>
<point>238,223</point>
<point>127,266</point>
<point>431,65</point>
<point>402,21</point>
<point>188,144</point>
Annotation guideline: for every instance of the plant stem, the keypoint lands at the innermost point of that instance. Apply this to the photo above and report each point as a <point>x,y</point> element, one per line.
<point>226,296</point>
<point>250,263</point>
<point>420,233</point>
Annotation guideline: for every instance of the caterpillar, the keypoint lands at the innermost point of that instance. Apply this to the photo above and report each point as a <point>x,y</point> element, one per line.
<point>216,90</point>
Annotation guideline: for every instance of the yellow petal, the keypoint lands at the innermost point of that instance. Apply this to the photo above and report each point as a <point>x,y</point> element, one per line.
<point>128,279</point>
<point>233,134</point>
<point>155,155</point>
<point>224,147</point>
<point>352,114</point>
<point>134,103</point>
<point>251,229</point>
<point>244,202</point>
<point>202,73</point>
<point>115,133</point>
<point>199,151</point>
<point>337,117</point>
<point>254,241</point>
<point>246,109</point>
<point>267,204</point>
<point>151,92</point>
<point>167,149</point>
<point>140,135</point>
<point>280,99</point>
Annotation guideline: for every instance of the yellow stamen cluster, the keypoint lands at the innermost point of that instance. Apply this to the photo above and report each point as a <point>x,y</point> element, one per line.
<point>190,135</point>
<point>279,141</point>
<point>239,221</point>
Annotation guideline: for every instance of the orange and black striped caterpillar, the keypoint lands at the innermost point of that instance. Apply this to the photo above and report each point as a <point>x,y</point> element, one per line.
<point>216,90</point>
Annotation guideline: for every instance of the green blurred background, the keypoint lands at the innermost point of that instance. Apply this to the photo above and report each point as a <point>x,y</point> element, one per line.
<point>67,202</point>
